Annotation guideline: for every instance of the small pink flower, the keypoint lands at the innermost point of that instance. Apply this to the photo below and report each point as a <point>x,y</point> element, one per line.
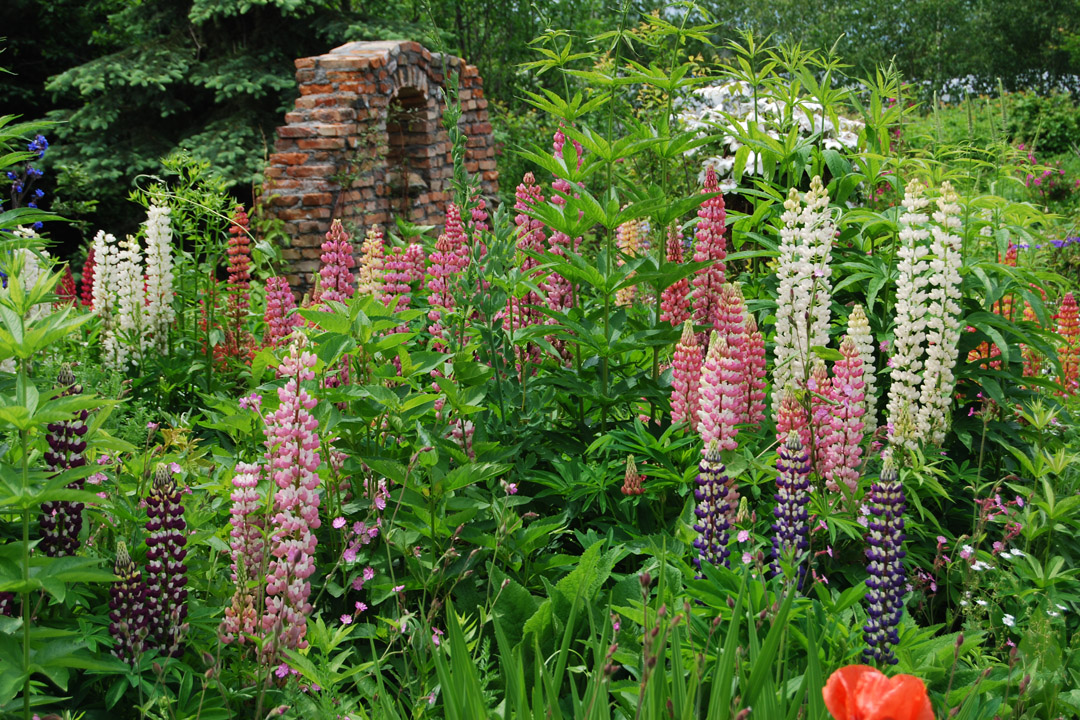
<point>358,584</point>
<point>743,536</point>
<point>369,572</point>
<point>350,554</point>
<point>282,670</point>
<point>339,522</point>
<point>941,540</point>
<point>152,426</point>
<point>360,607</point>
<point>398,588</point>
<point>1019,501</point>
<point>435,636</point>
<point>747,558</point>
<point>175,467</point>
<point>346,619</point>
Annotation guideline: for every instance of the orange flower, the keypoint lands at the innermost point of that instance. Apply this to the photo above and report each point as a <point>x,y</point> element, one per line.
<point>860,692</point>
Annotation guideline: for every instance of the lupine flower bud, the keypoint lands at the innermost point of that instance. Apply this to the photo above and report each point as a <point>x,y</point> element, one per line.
<point>716,501</point>
<point>166,573</point>
<point>632,481</point>
<point>792,416</point>
<point>628,240</point>
<point>292,448</point>
<point>847,417</point>
<point>711,247</point>
<point>61,520</point>
<point>335,275</point>
<point>754,359</point>
<point>822,407</point>
<point>369,277</point>
<point>239,343</point>
<point>66,291</point>
<point>279,318</point>
<point>246,543</point>
<point>447,262</point>
<point>790,531</point>
<point>686,378</point>
<point>675,300</point>
<point>87,281</point>
<point>858,329</point>
<point>885,563</point>
<point>127,608</point>
<point>1068,329</point>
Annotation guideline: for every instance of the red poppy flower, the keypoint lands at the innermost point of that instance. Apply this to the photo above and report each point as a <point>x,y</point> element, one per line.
<point>860,692</point>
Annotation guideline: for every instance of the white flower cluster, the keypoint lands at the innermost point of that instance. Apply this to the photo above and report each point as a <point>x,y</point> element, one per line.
<point>131,295</point>
<point>106,277</point>
<point>927,326</point>
<point>159,277</point>
<point>805,297</point>
<point>858,330</point>
<point>733,108</point>
<point>136,309</point>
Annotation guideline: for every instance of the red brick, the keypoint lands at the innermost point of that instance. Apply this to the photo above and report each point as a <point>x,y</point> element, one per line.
<point>316,89</point>
<point>308,62</point>
<point>311,171</point>
<point>318,199</point>
<point>295,131</point>
<point>335,129</point>
<point>328,143</point>
<point>344,62</point>
<point>288,158</point>
<point>333,115</point>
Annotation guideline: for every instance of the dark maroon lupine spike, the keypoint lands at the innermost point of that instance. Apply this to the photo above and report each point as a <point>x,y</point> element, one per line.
<point>166,594</point>
<point>790,531</point>
<point>61,520</point>
<point>127,608</point>
<point>714,510</point>
<point>885,563</point>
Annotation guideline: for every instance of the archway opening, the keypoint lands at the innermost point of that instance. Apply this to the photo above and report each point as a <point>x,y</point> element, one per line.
<point>411,135</point>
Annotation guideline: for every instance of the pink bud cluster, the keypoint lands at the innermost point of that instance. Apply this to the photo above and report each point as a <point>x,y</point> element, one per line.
<point>675,300</point>
<point>720,395</point>
<point>849,394</point>
<point>524,311</point>
<point>335,275</point>
<point>822,405</point>
<point>292,445</point>
<point>279,316</point>
<point>710,247</point>
<point>404,267</point>
<point>447,262</point>
<point>247,551</point>
<point>686,378</point>
<point>754,358</point>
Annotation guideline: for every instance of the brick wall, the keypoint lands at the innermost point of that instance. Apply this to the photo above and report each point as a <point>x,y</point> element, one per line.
<point>365,143</point>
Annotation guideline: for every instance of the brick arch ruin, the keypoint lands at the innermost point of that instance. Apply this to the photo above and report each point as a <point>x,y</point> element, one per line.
<point>365,143</point>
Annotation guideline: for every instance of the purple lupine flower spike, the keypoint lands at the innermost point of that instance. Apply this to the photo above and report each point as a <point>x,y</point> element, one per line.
<point>61,520</point>
<point>714,509</point>
<point>127,608</point>
<point>165,568</point>
<point>885,563</point>
<point>791,534</point>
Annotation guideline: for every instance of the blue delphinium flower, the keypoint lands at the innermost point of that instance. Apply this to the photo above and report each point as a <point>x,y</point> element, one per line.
<point>22,183</point>
<point>885,563</point>
<point>714,509</point>
<point>39,145</point>
<point>790,531</point>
